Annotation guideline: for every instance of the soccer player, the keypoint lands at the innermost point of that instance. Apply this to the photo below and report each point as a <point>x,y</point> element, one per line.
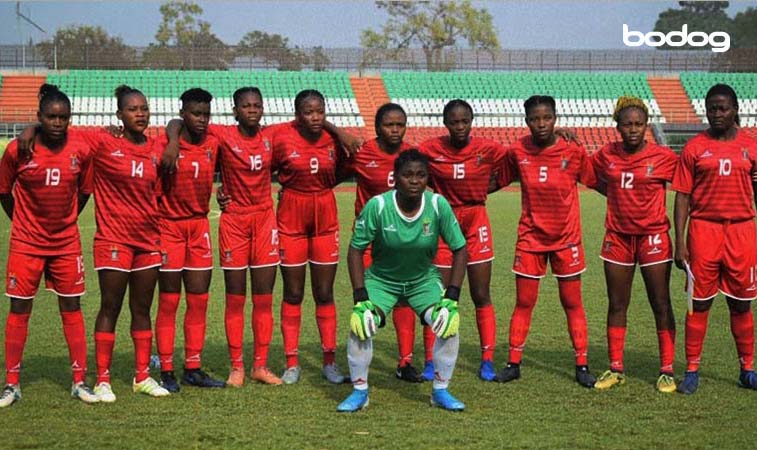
<point>715,195</point>
<point>247,232</point>
<point>306,159</point>
<point>633,174</point>
<point>461,167</point>
<point>373,167</point>
<point>185,243</point>
<point>43,194</point>
<point>548,168</point>
<point>403,227</point>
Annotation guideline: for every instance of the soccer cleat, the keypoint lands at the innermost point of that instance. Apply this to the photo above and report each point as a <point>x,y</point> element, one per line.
<point>104,393</point>
<point>486,371</point>
<point>356,401</point>
<point>168,381</point>
<point>236,377</point>
<point>443,399</point>
<point>332,373</point>
<point>149,387</point>
<point>610,379</point>
<point>265,376</point>
<point>509,373</point>
<point>665,384</point>
<point>291,375</point>
<point>428,371</point>
<point>11,393</point>
<point>690,383</point>
<point>584,377</point>
<point>409,374</point>
<point>748,379</point>
<point>198,378</point>
<point>84,393</point>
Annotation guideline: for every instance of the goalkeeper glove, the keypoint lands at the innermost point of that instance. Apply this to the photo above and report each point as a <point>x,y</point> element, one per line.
<point>364,320</point>
<point>445,320</point>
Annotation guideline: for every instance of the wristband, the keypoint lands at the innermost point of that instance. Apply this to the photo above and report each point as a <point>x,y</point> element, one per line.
<point>452,293</point>
<point>360,295</point>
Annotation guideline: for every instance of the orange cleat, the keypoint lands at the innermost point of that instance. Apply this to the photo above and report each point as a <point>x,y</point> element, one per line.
<point>236,377</point>
<point>265,376</point>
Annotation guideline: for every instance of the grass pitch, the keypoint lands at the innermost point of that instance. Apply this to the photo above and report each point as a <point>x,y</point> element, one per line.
<point>544,409</point>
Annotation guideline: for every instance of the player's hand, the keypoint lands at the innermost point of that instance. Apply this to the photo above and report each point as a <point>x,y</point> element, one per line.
<point>351,144</point>
<point>568,135</point>
<point>364,320</point>
<point>25,143</point>
<point>170,157</point>
<point>114,131</point>
<point>223,200</point>
<point>445,319</point>
<point>681,256</point>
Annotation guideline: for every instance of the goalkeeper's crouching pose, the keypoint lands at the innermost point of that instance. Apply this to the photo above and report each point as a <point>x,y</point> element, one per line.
<point>403,226</point>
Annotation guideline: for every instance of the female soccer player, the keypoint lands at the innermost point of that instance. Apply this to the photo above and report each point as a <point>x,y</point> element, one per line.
<point>403,227</point>
<point>461,167</point>
<point>185,243</point>
<point>306,159</point>
<point>549,230</point>
<point>632,174</point>
<point>373,167</point>
<point>715,195</point>
<point>43,195</point>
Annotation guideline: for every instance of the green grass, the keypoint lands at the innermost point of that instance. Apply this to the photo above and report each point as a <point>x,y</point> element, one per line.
<point>545,409</point>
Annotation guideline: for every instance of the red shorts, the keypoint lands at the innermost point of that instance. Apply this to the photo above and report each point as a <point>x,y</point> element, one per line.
<point>185,245</point>
<point>629,249</point>
<point>308,228</point>
<point>474,223</point>
<point>248,240</point>
<point>566,262</point>
<point>723,256</point>
<point>64,275</point>
<point>124,258</point>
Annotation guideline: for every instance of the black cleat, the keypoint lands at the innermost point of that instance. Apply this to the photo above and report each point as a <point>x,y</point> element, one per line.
<point>169,382</point>
<point>198,378</point>
<point>509,373</point>
<point>584,377</point>
<point>409,374</point>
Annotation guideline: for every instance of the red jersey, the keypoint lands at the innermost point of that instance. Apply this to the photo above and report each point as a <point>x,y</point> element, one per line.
<point>635,187</point>
<point>186,193</point>
<point>717,175</point>
<point>302,165</point>
<point>45,191</point>
<point>374,169</point>
<point>126,187</point>
<point>462,175</point>
<point>551,215</point>
<point>245,168</point>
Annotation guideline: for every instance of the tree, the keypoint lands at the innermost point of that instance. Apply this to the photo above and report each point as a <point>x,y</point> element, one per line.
<point>434,26</point>
<point>744,29</point>
<point>272,49</point>
<point>186,42</point>
<point>81,47</point>
<point>319,59</point>
<point>698,16</point>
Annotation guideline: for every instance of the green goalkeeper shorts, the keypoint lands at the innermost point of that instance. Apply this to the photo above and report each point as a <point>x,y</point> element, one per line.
<point>420,295</point>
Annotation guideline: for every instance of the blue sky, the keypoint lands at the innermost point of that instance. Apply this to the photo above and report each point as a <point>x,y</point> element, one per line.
<point>539,24</point>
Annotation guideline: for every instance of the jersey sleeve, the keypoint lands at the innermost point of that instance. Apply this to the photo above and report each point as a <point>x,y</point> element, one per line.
<point>8,166</point>
<point>449,229</point>
<point>93,138</point>
<point>668,166</point>
<point>683,177</point>
<point>597,162</point>
<point>366,224</point>
<point>86,184</point>
<point>504,171</point>
<point>586,175</point>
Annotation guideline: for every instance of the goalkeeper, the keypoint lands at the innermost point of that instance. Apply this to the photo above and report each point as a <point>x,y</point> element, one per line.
<point>403,228</point>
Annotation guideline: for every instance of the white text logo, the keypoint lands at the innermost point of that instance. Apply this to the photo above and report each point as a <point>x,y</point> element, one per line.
<point>720,41</point>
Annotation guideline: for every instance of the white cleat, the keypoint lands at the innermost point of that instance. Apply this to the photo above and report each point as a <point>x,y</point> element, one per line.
<point>149,387</point>
<point>104,393</point>
<point>84,393</point>
<point>11,393</point>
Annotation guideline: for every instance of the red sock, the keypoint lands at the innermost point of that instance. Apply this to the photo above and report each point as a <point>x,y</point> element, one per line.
<point>165,327</point>
<point>262,327</point>
<point>616,340</point>
<point>526,294</point>
<point>742,329</point>
<point>76,338</point>
<point>666,340</point>
<point>233,318</point>
<point>428,343</point>
<point>142,345</point>
<point>570,297</point>
<point>403,318</point>
<point>195,320</point>
<point>325,316</point>
<point>487,331</point>
<point>104,342</point>
<point>291,316</point>
<point>16,330</point>
<point>696,329</point>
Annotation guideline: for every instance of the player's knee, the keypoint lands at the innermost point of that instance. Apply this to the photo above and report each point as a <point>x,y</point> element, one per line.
<point>21,306</point>
<point>738,306</point>
<point>480,296</point>
<point>703,305</point>
<point>293,298</point>
<point>68,304</point>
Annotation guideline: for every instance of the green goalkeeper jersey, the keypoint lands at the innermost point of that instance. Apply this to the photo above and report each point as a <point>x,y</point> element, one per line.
<point>402,247</point>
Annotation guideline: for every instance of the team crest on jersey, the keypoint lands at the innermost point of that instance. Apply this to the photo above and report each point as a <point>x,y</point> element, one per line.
<point>331,153</point>
<point>227,255</point>
<point>745,153</point>
<point>267,145</point>
<point>479,159</point>
<point>114,253</point>
<point>427,227</point>
<point>12,283</point>
<point>564,163</point>
<point>74,162</point>
<point>155,161</point>
<point>209,154</point>
<point>163,257</point>
<point>650,169</point>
